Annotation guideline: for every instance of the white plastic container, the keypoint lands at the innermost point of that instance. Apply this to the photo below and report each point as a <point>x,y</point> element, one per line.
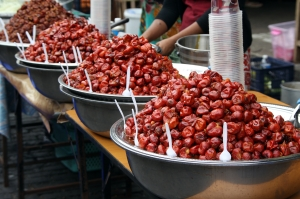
<point>283,40</point>
<point>116,30</point>
<point>134,15</point>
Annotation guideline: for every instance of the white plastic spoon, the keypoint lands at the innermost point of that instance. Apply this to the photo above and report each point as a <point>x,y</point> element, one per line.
<point>4,30</point>
<point>34,34</point>
<point>121,112</point>
<point>170,151</point>
<point>225,155</point>
<point>75,54</point>
<point>134,101</point>
<point>29,37</point>
<point>66,73</point>
<point>21,42</point>
<point>136,141</point>
<point>79,55</point>
<point>45,52</point>
<point>126,92</point>
<point>88,79</point>
<point>21,51</point>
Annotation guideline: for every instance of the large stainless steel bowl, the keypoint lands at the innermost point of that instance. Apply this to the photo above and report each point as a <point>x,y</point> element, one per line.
<point>98,115</point>
<point>7,57</point>
<point>177,177</point>
<point>44,80</point>
<point>194,49</point>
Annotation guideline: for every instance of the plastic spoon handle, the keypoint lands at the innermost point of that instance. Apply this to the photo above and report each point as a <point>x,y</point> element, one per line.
<point>126,92</point>
<point>21,42</point>
<point>45,52</point>
<point>66,73</point>
<point>170,151</point>
<point>134,101</point>
<point>225,136</point>
<point>88,79</point>
<point>136,141</point>
<point>168,135</point>
<point>121,112</point>
<point>79,55</point>
<point>75,54</point>
<point>34,34</point>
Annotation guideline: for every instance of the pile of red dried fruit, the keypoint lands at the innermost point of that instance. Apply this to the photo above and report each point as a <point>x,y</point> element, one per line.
<point>107,68</point>
<point>41,13</point>
<point>195,109</point>
<point>61,36</point>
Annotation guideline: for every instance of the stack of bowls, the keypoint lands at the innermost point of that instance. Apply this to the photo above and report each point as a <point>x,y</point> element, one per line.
<point>98,111</point>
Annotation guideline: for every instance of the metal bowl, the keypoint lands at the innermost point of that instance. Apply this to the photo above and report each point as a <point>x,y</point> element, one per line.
<point>177,177</point>
<point>98,115</point>
<point>43,64</point>
<point>45,81</point>
<point>194,49</point>
<point>7,57</point>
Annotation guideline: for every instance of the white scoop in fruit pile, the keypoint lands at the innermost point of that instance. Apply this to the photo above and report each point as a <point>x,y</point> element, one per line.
<point>121,112</point>
<point>126,92</point>
<point>225,155</point>
<point>136,141</point>
<point>170,151</point>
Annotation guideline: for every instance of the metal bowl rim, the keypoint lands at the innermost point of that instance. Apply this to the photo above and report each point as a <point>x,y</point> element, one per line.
<point>63,89</point>
<point>17,56</point>
<point>13,44</point>
<point>141,152</point>
<point>20,63</point>
<point>137,97</point>
<point>187,48</point>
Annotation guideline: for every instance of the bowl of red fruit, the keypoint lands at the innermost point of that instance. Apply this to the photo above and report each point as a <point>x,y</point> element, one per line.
<point>263,144</point>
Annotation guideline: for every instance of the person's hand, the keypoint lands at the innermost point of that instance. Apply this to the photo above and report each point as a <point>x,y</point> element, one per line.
<point>166,46</point>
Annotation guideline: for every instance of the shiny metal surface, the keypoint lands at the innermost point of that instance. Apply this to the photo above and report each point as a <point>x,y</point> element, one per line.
<point>194,49</point>
<point>7,57</point>
<point>98,115</point>
<point>44,65</point>
<point>45,81</point>
<point>189,178</point>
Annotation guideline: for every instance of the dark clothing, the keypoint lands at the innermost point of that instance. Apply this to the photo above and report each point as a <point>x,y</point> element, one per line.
<point>172,9</point>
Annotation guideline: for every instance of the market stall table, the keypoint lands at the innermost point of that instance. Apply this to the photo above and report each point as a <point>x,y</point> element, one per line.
<point>47,108</point>
<point>113,153</point>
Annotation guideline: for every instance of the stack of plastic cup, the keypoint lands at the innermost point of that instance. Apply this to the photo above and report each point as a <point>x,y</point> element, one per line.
<point>226,40</point>
<point>100,16</point>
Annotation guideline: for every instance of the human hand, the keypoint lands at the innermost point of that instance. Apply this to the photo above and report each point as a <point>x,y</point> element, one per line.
<point>166,46</point>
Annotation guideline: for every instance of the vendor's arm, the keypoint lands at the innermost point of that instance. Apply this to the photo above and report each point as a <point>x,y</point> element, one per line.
<point>168,45</point>
<point>164,20</point>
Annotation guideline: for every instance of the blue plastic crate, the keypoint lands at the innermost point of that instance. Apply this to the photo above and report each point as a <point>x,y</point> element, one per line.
<point>61,133</point>
<point>268,81</point>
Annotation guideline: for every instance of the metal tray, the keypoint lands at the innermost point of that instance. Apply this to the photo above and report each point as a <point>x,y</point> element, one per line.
<point>45,65</point>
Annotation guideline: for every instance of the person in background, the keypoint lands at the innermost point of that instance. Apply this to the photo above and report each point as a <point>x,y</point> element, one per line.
<point>150,9</point>
<point>194,20</point>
